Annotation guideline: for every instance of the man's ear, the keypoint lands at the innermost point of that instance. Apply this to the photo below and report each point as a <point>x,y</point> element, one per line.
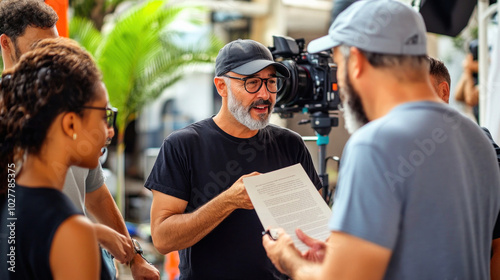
<point>7,51</point>
<point>71,124</point>
<point>221,86</point>
<point>5,42</point>
<point>444,91</point>
<point>356,62</point>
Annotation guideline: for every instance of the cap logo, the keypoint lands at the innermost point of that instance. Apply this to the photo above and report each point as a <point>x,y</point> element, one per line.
<point>413,40</point>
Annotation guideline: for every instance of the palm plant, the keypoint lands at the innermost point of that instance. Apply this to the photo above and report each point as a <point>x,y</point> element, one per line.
<point>95,10</point>
<point>139,59</point>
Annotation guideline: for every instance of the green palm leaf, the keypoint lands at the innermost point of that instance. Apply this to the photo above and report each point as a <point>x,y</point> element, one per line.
<point>140,53</point>
<point>84,32</point>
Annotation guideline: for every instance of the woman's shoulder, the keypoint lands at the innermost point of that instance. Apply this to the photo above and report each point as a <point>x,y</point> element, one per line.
<point>74,250</point>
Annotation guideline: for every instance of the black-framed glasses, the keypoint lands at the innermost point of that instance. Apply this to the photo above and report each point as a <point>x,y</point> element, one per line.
<point>253,84</point>
<point>111,113</point>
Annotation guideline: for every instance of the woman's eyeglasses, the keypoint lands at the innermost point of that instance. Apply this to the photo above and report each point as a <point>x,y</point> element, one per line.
<point>111,113</point>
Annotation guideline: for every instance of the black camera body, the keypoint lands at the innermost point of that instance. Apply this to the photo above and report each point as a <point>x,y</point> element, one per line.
<point>312,86</point>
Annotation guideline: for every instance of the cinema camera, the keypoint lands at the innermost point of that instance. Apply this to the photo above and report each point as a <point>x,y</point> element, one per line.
<point>312,85</point>
<point>312,88</point>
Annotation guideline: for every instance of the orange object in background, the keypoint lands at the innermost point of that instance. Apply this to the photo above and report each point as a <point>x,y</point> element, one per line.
<point>171,265</point>
<point>61,8</point>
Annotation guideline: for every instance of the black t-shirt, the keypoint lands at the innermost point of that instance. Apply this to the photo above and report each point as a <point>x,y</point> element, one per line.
<point>29,219</point>
<point>199,162</point>
<point>496,231</point>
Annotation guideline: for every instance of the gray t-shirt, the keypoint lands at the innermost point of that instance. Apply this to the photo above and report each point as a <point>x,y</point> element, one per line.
<point>80,181</point>
<point>422,181</point>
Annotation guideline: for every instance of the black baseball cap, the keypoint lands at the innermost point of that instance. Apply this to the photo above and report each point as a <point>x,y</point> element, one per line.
<point>246,57</point>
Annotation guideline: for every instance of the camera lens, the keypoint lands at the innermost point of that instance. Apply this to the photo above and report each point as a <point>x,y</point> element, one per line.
<point>296,87</point>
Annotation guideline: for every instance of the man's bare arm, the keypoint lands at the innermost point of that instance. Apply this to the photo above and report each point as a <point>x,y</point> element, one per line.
<point>101,205</point>
<point>172,229</point>
<point>116,239</point>
<point>111,231</point>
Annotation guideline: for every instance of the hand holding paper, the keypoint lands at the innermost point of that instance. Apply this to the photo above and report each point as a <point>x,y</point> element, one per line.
<point>287,198</point>
<point>317,248</point>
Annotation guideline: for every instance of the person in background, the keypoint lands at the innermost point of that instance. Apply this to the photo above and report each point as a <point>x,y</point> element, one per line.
<point>440,79</point>
<point>200,205</point>
<point>409,204</point>
<point>49,99</point>
<point>23,22</point>
<point>467,90</point>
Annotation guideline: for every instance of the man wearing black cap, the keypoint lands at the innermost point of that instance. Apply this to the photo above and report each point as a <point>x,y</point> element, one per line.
<point>418,191</point>
<point>200,205</point>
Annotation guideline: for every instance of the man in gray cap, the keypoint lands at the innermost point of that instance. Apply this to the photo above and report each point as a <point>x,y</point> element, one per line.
<point>200,205</point>
<point>408,205</point>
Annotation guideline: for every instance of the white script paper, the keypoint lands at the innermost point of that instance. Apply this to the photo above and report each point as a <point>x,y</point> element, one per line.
<point>288,199</point>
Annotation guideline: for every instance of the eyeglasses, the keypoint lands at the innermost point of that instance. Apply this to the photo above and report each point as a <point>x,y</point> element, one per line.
<point>253,84</point>
<point>111,113</point>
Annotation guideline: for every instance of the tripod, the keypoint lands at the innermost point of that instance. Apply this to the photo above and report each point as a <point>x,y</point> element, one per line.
<point>322,124</point>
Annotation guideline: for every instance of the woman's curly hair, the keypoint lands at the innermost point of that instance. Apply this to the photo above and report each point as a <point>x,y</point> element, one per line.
<point>56,76</point>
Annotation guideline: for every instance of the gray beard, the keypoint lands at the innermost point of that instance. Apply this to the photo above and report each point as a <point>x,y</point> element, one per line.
<point>354,113</point>
<point>242,113</point>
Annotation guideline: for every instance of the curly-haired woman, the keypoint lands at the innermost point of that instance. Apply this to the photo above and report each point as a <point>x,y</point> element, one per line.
<point>54,113</point>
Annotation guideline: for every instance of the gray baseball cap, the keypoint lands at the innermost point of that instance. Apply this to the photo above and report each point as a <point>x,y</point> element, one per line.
<point>379,26</point>
<point>246,57</point>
